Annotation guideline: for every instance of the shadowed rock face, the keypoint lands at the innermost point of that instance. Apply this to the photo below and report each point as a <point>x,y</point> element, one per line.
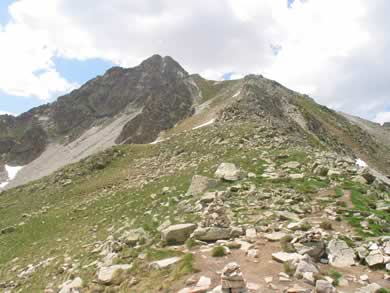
<point>158,88</point>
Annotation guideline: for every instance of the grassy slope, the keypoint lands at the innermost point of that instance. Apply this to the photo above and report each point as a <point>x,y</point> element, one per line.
<point>336,130</point>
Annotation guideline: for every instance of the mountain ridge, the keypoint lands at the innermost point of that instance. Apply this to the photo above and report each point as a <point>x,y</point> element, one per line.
<point>147,100</point>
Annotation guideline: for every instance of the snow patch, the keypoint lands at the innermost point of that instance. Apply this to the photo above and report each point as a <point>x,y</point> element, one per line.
<point>11,171</point>
<point>361,163</point>
<point>158,140</point>
<point>236,94</point>
<point>204,124</point>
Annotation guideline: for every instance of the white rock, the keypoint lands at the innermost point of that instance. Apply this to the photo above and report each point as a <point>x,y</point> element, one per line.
<point>164,263</point>
<point>229,172</point>
<point>71,286</point>
<point>285,256</point>
<point>340,254</point>
<point>275,236</point>
<point>375,257</point>
<point>177,234</point>
<point>106,274</point>
<point>251,233</point>
<point>253,253</point>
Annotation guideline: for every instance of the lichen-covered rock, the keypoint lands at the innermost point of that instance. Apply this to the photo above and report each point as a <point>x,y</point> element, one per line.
<point>340,254</point>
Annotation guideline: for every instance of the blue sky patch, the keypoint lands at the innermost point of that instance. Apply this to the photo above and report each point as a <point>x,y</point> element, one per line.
<point>4,15</point>
<point>80,71</point>
<point>17,105</point>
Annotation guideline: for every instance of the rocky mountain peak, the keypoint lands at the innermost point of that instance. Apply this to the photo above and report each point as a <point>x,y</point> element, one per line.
<point>164,65</point>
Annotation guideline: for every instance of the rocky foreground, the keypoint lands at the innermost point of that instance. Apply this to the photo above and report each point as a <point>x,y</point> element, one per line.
<point>230,207</point>
<point>314,247</point>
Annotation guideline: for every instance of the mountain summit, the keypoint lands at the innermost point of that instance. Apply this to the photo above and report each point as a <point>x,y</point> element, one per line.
<point>136,105</point>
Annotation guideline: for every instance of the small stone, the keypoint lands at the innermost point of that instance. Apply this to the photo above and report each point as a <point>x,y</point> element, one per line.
<point>285,256</point>
<point>228,172</point>
<point>275,236</point>
<point>323,286</point>
<point>251,233</point>
<point>164,263</point>
<point>253,253</point>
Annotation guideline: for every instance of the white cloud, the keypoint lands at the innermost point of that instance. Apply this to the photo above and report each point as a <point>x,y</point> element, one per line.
<point>236,76</point>
<point>5,112</point>
<point>26,59</point>
<point>326,46</point>
<point>382,117</point>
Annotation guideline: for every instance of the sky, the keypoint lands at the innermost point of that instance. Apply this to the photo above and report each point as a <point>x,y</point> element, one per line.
<point>338,52</point>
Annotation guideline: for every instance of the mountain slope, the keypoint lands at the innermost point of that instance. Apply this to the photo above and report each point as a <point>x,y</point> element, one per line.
<point>159,97</point>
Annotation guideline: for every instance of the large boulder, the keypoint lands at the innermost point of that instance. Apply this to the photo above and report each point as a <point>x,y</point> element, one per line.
<point>229,172</point>
<point>200,184</point>
<point>340,254</point>
<point>177,234</point>
<point>374,258</point>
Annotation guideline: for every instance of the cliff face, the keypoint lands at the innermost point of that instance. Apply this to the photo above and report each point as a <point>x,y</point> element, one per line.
<point>158,88</point>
